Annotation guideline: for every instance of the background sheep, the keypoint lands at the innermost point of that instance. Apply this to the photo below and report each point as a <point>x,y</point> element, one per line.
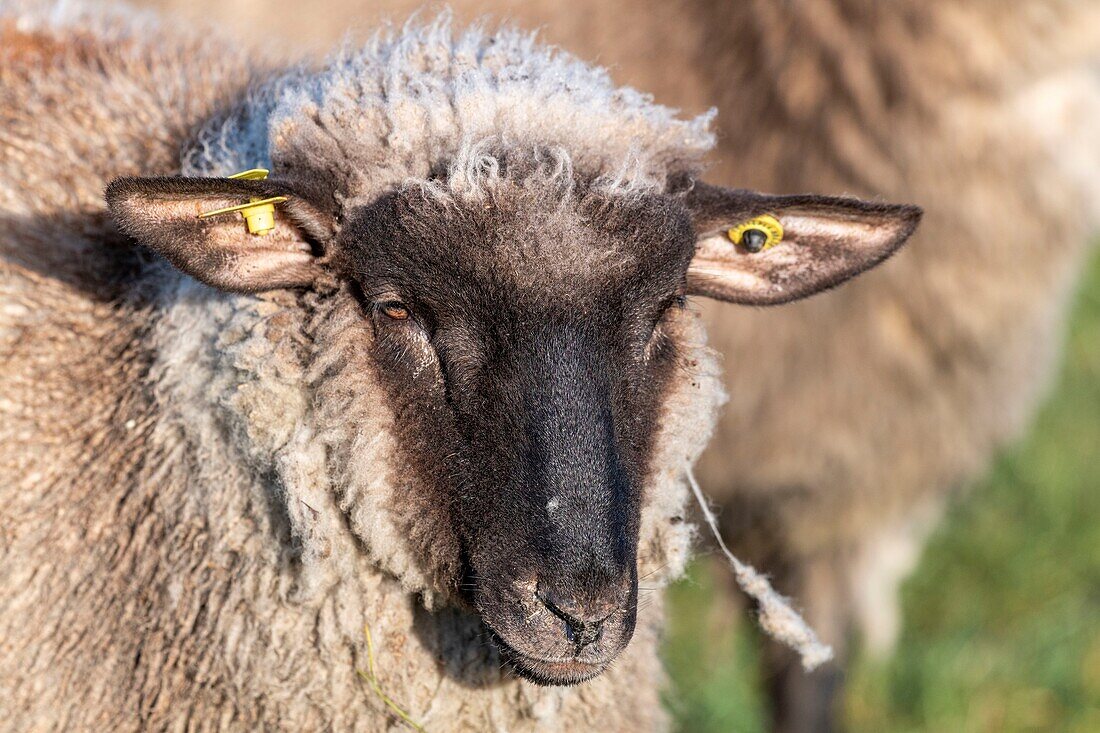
<point>835,465</point>
<point>860,411</point>
<point>456,374</point>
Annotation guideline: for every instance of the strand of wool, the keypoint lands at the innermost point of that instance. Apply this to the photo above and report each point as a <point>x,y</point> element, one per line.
<point>775,614</point>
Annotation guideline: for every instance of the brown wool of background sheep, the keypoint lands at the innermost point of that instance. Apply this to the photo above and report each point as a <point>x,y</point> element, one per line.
<point>455,385</point>
<point>833,467</point>
<point>862,409</point>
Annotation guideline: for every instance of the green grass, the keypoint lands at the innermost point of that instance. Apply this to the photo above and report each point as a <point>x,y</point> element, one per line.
<point>1002,618</point>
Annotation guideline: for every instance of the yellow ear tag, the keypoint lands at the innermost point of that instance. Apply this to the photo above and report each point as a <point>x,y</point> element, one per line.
<point>259,214</point>
<point>757,234</point>
<point>252,174</point>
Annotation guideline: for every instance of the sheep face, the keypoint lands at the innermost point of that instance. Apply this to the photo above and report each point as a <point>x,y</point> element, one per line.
<point>524,338</point>
<point>531,341</point>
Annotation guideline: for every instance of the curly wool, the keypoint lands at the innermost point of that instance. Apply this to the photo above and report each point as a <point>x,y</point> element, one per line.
<point>424,103</point>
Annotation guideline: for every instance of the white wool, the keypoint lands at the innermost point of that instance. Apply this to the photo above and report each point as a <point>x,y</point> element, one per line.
<point>461,110</point>
<point>775,614</point>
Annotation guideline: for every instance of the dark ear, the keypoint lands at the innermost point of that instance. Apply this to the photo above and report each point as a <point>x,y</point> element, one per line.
<point>163,214</point>
<point>825,240</point>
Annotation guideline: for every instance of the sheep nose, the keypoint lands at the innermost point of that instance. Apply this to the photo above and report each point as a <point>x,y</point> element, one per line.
<point>584,622</point>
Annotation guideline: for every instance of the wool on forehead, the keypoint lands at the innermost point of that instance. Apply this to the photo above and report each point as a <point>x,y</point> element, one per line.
<point>461,110</point>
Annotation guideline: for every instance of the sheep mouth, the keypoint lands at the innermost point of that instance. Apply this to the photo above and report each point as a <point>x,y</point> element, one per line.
<point>548,672</point>
<point>541,643</point>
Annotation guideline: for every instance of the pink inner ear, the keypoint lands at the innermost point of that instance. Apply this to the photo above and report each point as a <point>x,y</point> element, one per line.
<point>228,257</point>
<point>264,270</point>
<point>218,251</point>
<point>854,231</point>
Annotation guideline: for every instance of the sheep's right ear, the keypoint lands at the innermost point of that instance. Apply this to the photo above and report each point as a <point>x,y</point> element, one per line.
<point>164,215</point>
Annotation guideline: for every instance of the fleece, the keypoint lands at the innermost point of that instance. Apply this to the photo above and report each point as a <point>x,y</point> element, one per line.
<point>200,496</point>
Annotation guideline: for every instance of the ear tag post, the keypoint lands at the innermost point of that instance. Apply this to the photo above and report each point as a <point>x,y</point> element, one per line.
<point>757,234</point>
<point>259,214</point>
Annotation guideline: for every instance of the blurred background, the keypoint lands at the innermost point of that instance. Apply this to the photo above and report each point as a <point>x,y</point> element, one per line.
<point>1000,620</point>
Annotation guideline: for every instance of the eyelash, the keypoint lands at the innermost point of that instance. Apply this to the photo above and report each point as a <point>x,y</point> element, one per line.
<point>676,301</point>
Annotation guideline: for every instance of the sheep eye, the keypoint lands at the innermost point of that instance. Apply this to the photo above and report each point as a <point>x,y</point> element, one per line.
<point>679,300</point>
<point>395,310</point>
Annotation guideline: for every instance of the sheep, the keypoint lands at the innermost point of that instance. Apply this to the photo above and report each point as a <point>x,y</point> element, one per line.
<point>408,446</point>
<point>864,410</point>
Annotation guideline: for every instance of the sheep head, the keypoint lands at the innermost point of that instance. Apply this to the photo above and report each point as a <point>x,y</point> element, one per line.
<point>525,339</point>
<point>491,246</point>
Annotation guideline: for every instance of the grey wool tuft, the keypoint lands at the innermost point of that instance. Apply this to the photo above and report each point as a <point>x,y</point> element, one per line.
<point>424,102</point>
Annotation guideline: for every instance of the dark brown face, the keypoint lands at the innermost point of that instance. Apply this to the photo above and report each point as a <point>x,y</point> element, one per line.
<point>523,346</point>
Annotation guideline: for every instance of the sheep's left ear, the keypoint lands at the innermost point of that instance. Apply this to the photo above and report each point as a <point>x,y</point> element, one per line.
<point>171,217</point>
<point>741,257</point>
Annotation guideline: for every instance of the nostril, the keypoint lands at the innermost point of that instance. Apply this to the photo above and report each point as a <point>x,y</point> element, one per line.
<point>583,627</point>
<point>583,635</point>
